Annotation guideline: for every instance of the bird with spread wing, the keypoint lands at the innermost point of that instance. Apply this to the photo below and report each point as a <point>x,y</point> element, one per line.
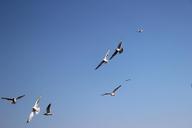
<point>35,110</point>
<point>12,100</point>
<point>48,111</point>
<point>113,93</point>
<point>105,60</point>
<point>119,50</point>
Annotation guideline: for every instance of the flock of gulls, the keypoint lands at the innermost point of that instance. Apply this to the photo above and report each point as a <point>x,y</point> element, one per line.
<point>36,108</point>
<point>118,50</point>
<point>106,59</point>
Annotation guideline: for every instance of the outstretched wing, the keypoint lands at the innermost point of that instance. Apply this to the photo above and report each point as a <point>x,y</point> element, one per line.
<point>99,65</point>
<point>30,117</point>
<point>106,94</point>
<point>116,88</point>
<point>48,108</point>
<point>114,54</point>
<point>19,97</point>
<point>119,45</point>
<point>5,98</point>
<point>37,102</point>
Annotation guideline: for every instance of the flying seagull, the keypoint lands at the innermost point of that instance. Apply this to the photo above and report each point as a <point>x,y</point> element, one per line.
<point>35,110</point>
<point>105,60</point>
<point>119,50</point>
<point>113,92</point>
<point>127,79</point>
<point>140,30</point>
<point>13,100</point>
<point>48,111</point>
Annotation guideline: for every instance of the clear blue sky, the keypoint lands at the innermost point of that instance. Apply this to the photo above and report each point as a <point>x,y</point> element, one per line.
<point>50,49</point>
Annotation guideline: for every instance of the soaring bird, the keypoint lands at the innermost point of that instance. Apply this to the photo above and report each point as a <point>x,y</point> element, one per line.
<point>13,100</point>
<point>105,60</point>
<point>48,111</point>
<point>113,92</point>
<point>35,110</point>
<point>140,30</point>
<point>119,50</point>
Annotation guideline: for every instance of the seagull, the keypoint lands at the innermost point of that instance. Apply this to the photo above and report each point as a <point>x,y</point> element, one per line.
<point>48,111</point>
<point>13,100</point>
<point>127,79</point>
<point>119,50</point>
<point>35,110</point>
<point>113,92</point>
<point>140,30</point>
<point>105,59</point>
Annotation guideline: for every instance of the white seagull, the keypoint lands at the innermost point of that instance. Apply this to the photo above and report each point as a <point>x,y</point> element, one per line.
<point>105,60</point>
<point>13,100</point>
<point>48,111</point>
<point>35,110</point>
<point>119,50</point>
<point>113,92</point>
<point>140,30</point>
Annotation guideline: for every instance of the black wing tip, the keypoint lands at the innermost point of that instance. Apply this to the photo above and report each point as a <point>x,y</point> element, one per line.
<point>119,86</point>
<point>5,98</point>
<point>103,94</point>
<point>22,95</point>
<point>27,121</point>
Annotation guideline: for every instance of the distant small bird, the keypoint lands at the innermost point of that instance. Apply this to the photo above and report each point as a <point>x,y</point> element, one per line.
<point>35,110</point>
<point>48,111</point>
<point>105,60</point>
<point>127,79</point>
<point>140,30</point>
<point>113,92</point>
<point>119,50</point>
<point>13,100</point>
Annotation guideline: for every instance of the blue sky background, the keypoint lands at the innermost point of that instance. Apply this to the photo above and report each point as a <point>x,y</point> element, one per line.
<point>50,49</point>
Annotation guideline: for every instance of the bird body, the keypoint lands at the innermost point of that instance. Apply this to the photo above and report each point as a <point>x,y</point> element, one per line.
<point>112,94</point>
